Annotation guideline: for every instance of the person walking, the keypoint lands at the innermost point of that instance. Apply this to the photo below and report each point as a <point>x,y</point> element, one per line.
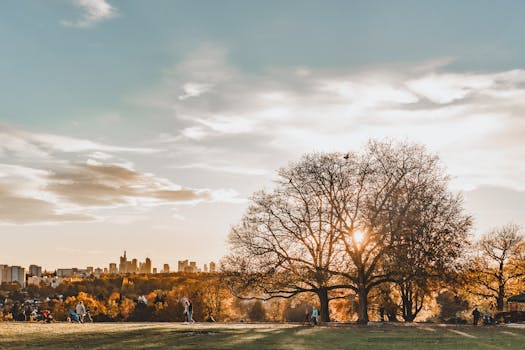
<point>315,314</point>
<point>475,316</point>
<point>185,302</point>
<point>190,312</point>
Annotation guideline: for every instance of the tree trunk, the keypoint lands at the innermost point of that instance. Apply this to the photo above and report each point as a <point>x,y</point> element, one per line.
<point>501,298</point>
<point>322,293</point>
<point>362,307</point>
<point>408,314</point>
<point>407,297</point>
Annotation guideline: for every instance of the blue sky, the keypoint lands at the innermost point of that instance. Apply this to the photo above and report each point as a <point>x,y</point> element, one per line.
<point>85,70</point>
<point>204,100</point>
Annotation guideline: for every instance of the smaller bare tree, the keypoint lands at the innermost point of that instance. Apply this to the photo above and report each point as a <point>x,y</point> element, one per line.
<point>498,264</point>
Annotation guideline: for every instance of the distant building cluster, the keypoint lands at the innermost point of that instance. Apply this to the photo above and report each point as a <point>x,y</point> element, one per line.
<point>191,267</point>
<point>9,274</point>
<point>132,266</point>
<point>35,276</point>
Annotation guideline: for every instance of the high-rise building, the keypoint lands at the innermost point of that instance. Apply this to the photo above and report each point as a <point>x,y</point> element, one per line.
<point>18,274</point>
<point>134,266</point>
<point>166,268</point>
<point>205,268</point>
<point>154,270</point>
<point>123,265</point>
<point>148,265</point>
<point>182,265</point>
<point>113,268</point>
<point>145,267</point>
<point>89,269</point>
<point>212,267</point>
<point>35,270</point>
<point>5,274</point>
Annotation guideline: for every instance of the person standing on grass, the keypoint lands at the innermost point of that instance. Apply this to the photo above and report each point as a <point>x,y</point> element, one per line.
<point>190,312</point>
<point>307,315</point>
<point>475,316</point>
<point>185,302</point>
<point>315,314</point>
<point>81,311</point>
<point>382,313</point>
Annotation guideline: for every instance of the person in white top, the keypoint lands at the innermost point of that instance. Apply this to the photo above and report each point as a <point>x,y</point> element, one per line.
<point>81,310</point>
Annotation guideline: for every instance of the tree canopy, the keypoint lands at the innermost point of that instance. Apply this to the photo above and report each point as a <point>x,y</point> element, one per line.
<point>336,223</point>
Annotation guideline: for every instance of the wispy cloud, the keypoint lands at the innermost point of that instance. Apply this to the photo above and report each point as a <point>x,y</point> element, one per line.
<point>193,90</point>
<point>16,208</point>
<point>106,185</point>
<point>94,11</point>
<point>469,118</point>
<point>226,168</point>
<point>42,180</point>
<point>21,143</point>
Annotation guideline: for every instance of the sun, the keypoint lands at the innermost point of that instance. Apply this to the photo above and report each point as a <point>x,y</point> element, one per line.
<point>359,236</point>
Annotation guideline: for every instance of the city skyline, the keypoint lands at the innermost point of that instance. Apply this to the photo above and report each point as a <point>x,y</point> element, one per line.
<point>149,125</point>
<point>120,267</point>
<point>36,274</point>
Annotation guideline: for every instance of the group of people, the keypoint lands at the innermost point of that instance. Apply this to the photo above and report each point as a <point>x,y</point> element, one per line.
<point>36,314</point>
<point>311,315</point>
<point>81,314</point>
<point>487,318</point>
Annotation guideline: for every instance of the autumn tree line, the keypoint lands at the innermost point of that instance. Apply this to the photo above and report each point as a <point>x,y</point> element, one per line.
<point>351,233</point>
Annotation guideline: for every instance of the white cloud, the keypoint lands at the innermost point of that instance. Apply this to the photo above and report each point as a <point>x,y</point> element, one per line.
<point>228,196</point>
<point>85,192</point>
<point>446,88</point>
<point>100,155</point>
<point>229,125</point>
<point>47,178</point>
<point>94,11</point>
<point>472,119</point>
<point>25,144</point>
<point>226,168</point>
<point>193,90</point>
<point>369,94</point>
<point>195,132</point>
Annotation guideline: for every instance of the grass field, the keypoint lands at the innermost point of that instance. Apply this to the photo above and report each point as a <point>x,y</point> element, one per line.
<point>250,336</point>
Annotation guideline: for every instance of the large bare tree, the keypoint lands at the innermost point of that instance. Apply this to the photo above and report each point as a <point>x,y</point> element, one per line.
<point>404,225</point>
<point>331,219</point>
<point>287,242</point>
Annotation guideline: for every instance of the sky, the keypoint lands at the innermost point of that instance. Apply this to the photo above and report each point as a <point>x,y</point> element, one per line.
<point>146,125</point>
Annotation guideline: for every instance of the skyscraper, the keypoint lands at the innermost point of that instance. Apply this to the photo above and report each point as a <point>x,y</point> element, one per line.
<point>18,274</point>
<point>123,265</point>
<point>113,268</point>
<point>145,267</point>
<point>183,264</point>
<point>35,270</point>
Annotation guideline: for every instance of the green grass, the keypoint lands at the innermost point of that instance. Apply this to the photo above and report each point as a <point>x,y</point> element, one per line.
<point>224,336</point>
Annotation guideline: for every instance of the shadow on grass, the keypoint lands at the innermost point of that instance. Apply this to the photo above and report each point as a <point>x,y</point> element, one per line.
<point>271,338</point>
